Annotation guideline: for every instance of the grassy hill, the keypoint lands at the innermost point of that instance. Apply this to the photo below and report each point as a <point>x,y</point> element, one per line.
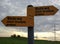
<point>8,40</point>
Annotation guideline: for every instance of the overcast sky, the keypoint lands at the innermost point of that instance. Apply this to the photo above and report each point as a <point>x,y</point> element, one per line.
<point>18,8</point>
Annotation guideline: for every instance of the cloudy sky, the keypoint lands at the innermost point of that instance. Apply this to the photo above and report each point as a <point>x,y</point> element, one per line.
<point>18,8</point>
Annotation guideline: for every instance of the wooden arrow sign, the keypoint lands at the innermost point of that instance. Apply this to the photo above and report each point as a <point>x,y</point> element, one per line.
<point>18,21</point>
<point>41,10</point>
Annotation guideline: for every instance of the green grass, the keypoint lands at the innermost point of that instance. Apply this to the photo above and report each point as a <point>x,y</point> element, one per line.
<point>46,42</point>
<point>7,40</point>
<point>13,41</point>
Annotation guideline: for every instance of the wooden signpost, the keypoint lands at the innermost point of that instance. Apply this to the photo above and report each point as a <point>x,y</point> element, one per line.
<point>28,21</point>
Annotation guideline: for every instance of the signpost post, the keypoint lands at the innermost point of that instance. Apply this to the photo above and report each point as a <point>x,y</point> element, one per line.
<point>30,29</point>
<point>30,35</point>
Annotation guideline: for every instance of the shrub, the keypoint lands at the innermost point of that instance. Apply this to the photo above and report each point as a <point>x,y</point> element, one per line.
<point>14,35</point>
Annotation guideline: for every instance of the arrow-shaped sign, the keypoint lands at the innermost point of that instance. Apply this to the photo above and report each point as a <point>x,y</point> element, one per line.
<point>29,19</point>
<point>41,10</point>
<point>18,21</point>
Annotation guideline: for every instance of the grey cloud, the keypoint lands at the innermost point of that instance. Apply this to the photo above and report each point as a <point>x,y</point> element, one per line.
<point>41,2</point>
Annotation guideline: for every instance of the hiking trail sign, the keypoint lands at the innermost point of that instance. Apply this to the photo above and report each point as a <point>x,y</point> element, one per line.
<point>18,21</point>
<point>41,10</point>
<point>29,19</point>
